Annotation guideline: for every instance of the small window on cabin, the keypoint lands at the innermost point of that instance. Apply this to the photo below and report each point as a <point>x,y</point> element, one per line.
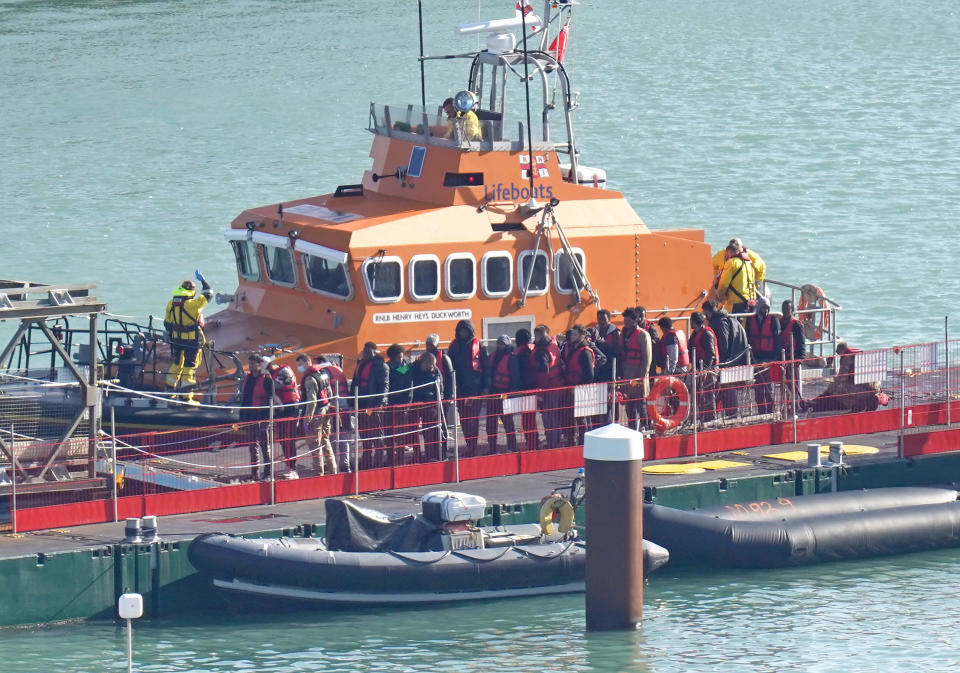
<point>279,263</point>
<point>384,279</point>
<point>532,269</point>
<point>567,281</point>
<point>497,274</point>
<point>327,276</point>
<point>424,277</point>
<point>461,272</point>
<point>246,255</point>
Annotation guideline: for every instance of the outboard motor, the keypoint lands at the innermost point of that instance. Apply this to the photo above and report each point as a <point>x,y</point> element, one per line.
<point>456,514</point>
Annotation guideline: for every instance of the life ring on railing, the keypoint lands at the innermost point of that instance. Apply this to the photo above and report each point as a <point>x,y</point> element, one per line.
<point>666,387</point>
<point>816,324</point>
<point>556,504</point>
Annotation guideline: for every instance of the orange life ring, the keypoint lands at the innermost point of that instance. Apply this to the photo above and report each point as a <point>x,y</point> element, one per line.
<point>816,325</point>
<point>664,387</point>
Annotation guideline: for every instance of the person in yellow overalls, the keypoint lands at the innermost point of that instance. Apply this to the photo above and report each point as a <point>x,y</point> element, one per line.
<point>184,324</point>
<point>737,287</point>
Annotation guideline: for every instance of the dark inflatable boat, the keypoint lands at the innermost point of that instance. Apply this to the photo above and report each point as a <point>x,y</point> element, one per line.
<point>808,529</point>
<point>370,559</point>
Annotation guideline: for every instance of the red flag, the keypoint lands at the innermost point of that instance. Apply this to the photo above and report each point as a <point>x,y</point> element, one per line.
<point>559,44</point>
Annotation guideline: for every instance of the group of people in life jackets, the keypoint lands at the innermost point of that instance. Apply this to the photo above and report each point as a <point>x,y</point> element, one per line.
<point>401,403</point>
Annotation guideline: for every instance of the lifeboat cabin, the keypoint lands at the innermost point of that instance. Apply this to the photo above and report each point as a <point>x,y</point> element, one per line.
<point>505,228</point>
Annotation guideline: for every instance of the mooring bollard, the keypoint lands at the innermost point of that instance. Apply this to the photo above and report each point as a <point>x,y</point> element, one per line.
<point>613,456</point>
<point>132,530</point>
<point>150,532</point>
<point>836,453</point>
<point>813,455</point>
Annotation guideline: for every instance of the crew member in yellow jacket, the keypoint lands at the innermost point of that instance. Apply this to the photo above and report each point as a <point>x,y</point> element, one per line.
<point>759,267</point>
<point>737,287</point>
<point>471,123</point>
<point>184,324</point>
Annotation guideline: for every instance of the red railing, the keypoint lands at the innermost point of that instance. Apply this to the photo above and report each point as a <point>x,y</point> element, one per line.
<point>204,468</point>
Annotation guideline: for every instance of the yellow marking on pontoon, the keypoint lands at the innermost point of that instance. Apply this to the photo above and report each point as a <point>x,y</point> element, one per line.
<point>848,449</point>
<point>676,468</point>
<point>720,464</point>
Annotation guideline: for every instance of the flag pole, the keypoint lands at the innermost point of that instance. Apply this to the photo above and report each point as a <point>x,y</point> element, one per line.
<point>526,81</point>
<point>423,80</point>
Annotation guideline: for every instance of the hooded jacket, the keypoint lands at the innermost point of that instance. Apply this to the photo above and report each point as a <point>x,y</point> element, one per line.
<point>469,358</point>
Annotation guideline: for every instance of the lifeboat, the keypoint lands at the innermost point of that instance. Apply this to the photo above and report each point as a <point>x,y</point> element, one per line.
<point>368,558</point>
<point>505,228</point>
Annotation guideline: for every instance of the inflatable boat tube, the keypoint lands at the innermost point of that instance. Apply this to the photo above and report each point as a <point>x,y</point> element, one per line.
<point>304,571</point>
<point>808,529</point>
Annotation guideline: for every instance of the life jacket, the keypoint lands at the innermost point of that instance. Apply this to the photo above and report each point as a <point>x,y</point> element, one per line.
<point>288,393</point>
<point>683,354</point>
<point>632,349</point>
<point>475,354</point>
<point>696,341</point>
<point>181,324</point>
<point>574,372</point>
<point>364,369</point>
<point>761,335</point>
<point>323,384</point>
<point>336,375</point>
<point>553,377</point>
<point>501,371</point>
<point>260,396</point>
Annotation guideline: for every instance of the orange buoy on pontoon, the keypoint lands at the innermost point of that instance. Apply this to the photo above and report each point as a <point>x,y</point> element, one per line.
<point>664,389</point>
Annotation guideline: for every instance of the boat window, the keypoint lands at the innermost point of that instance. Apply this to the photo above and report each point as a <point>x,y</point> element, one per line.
<point>497,273</point>
<point>246,255</point>
<point>564,279</point>
<point>424,277</point>
<point>279,263</point>
<point>533,265</point>
<point>327,276</point>
<point>461,275</point>
<point>384,279</point>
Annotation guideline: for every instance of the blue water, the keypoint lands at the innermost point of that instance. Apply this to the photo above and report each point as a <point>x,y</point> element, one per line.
<point>824,134</point>
<point>894,614</point>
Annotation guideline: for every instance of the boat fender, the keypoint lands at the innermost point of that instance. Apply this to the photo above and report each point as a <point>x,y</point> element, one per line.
<point>556,504</point>
<point>668,386</point>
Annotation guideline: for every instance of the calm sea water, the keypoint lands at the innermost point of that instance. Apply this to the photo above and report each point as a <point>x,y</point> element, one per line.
<point>824,134</point>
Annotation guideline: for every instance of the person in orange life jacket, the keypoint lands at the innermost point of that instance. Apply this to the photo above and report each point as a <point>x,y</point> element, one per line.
<point>673,354</point>
<point>763,333</point>
<point>428,389</point>
<point>579,360</point>
<point>469,358</point>
<point>256,391</point>
<point>651,328</point>
<point>445,366</point>
<point>732,350</point>
<point>500,384</point>
<point>546,375</point>
<point>607,340</point>
<point>703,351</point>
<point>184,324</point>
<point>370,383</point>
<point>315,391</point>
<point>521,380</point>
<point>341,425</point>
<point>843,394</point>
<point>635,355</point>
<point>397,415</point>
<point>795,346</point>
<point>287,414</point>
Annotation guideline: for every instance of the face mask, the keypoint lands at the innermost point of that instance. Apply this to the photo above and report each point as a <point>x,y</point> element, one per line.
<point>302,369</point>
